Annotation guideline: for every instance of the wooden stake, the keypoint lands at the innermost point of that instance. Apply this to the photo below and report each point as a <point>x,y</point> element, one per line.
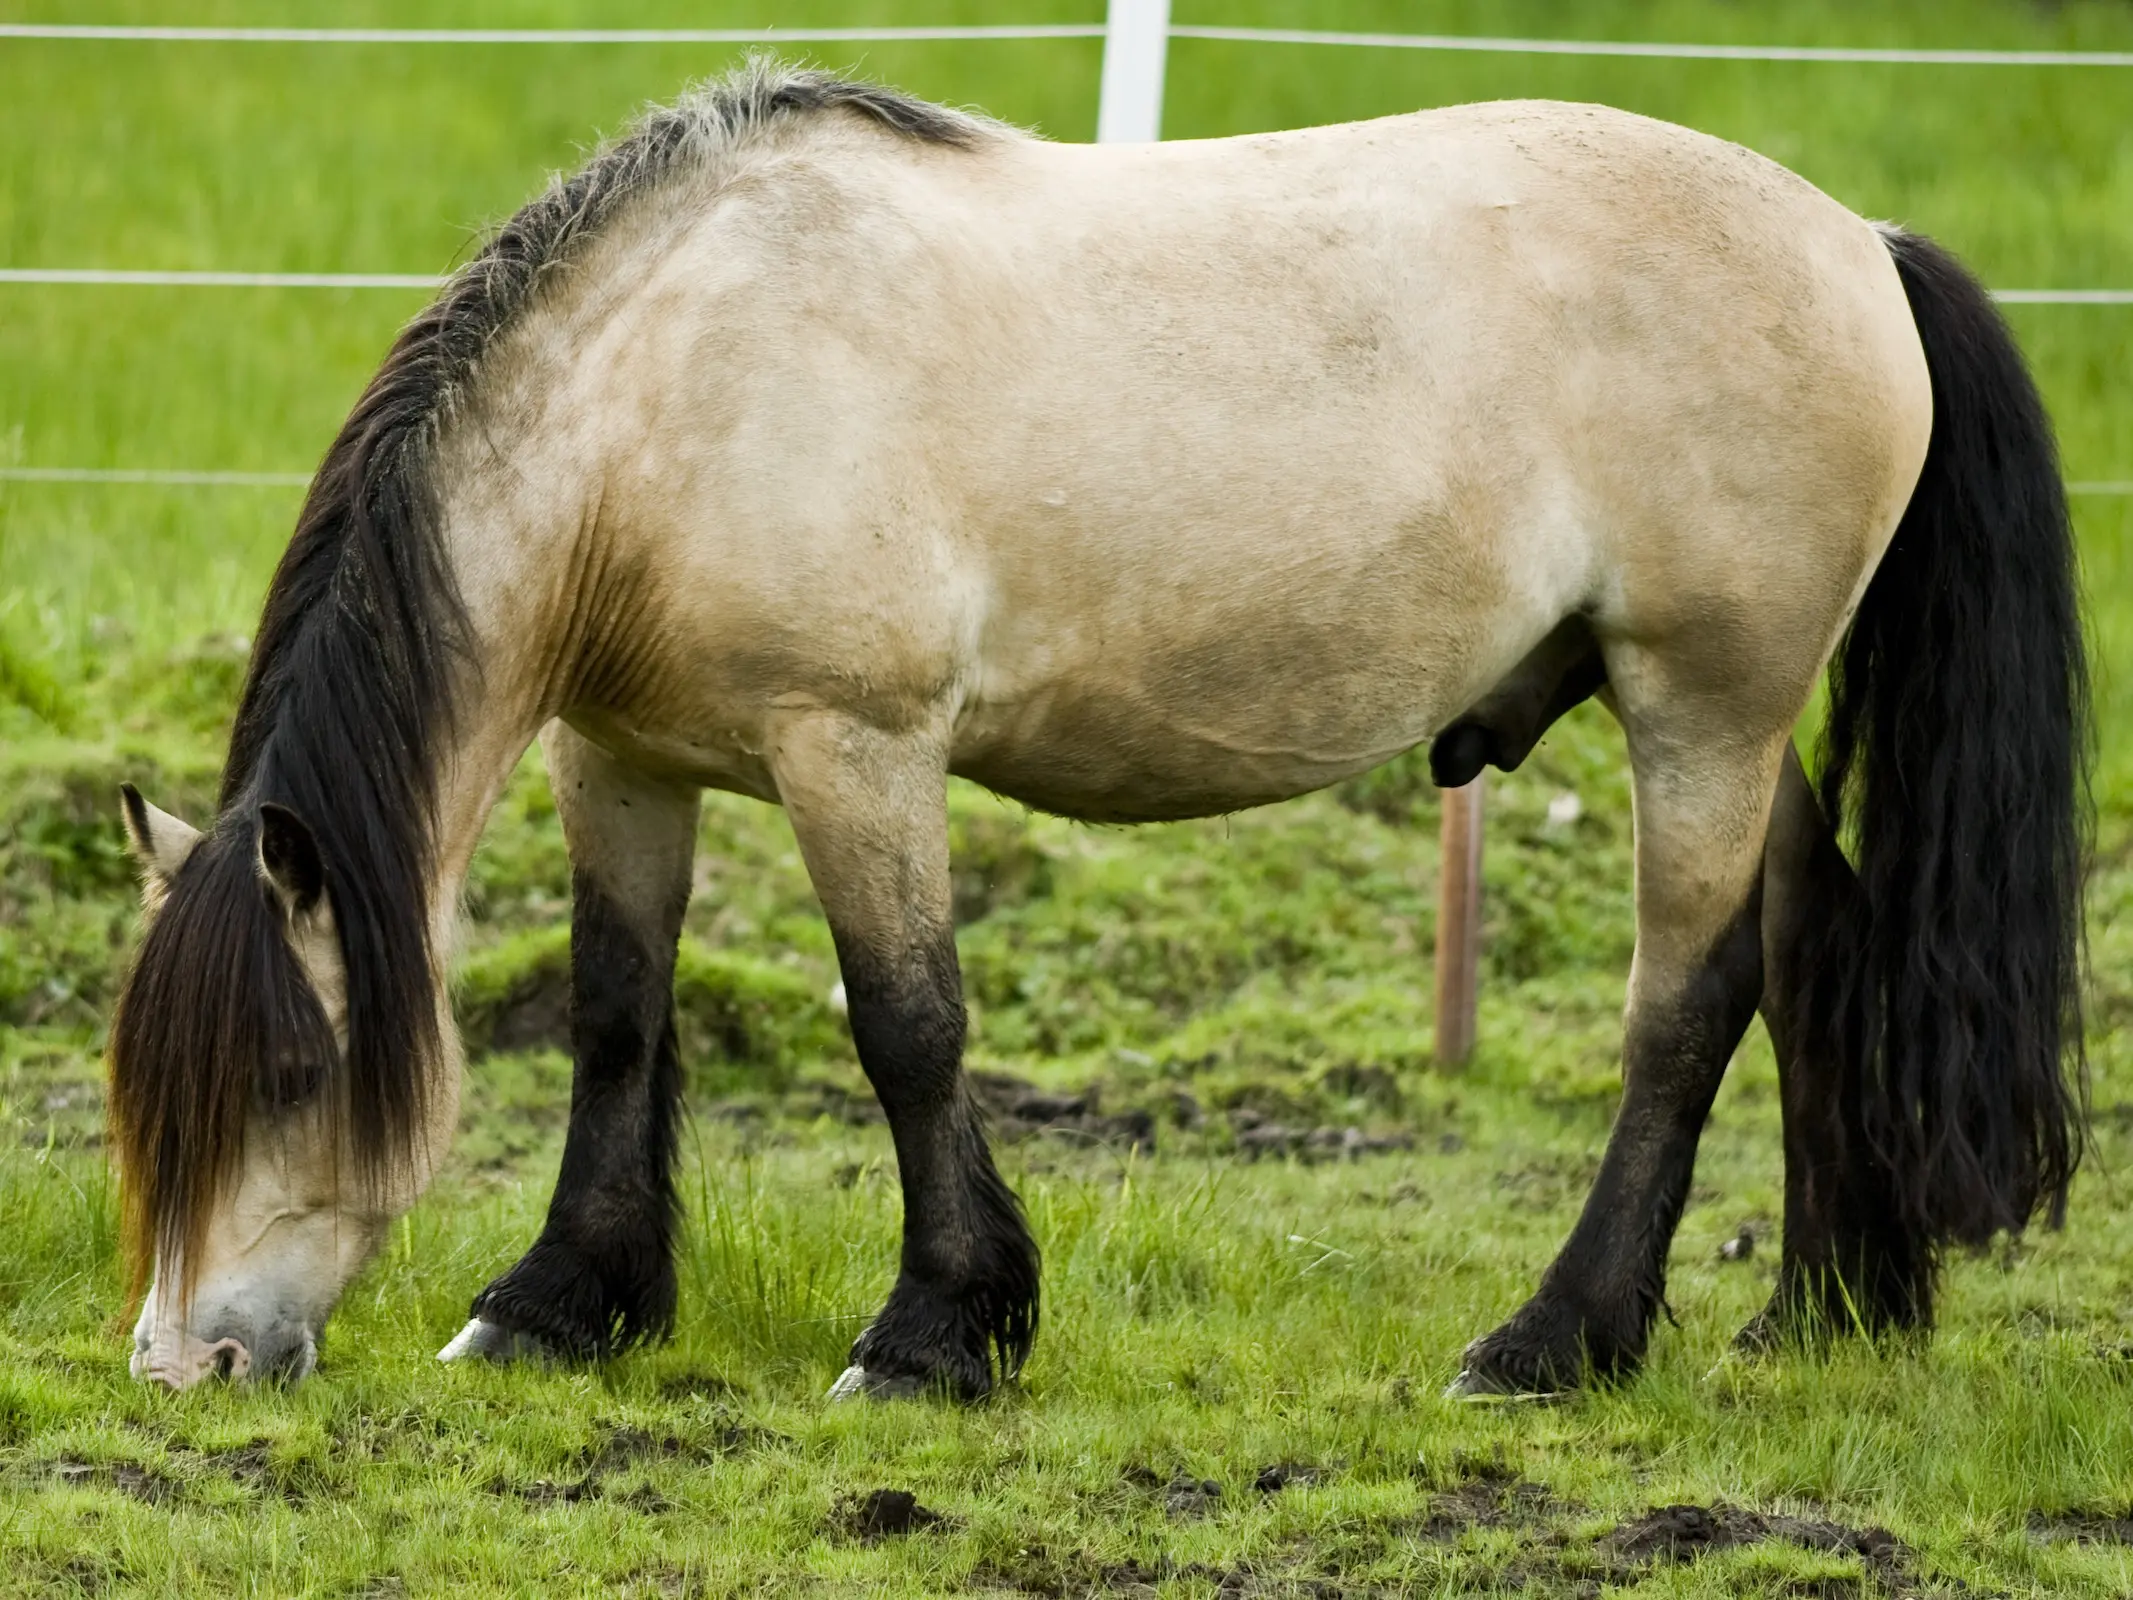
<point>1458,925</point>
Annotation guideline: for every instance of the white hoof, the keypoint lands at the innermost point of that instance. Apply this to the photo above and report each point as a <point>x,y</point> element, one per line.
<point>1477,1390</point>
<point>492,1342</point>
<point>1468,1387</point>
<point>856,1383</point>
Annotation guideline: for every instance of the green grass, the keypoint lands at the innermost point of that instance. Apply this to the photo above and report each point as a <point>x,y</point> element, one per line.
<point>1206,1314</point>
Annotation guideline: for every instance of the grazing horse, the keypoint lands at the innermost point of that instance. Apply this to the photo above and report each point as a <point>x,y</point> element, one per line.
<point>816,443</point>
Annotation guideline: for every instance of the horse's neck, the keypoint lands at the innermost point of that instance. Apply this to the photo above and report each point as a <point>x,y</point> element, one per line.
<point>510,569</point>
<point>470,779</point>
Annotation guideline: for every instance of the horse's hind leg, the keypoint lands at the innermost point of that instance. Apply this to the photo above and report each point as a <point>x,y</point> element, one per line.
<point>1846,1263</point>
<point>870,812</point>
<point>601,1274</point>
<point>1703,788</point>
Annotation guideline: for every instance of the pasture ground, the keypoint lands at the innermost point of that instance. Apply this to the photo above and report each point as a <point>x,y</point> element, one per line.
<point>1269,1223</point>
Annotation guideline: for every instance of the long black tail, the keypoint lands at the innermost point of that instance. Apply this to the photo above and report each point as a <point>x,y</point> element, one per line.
<point>1956,765</point>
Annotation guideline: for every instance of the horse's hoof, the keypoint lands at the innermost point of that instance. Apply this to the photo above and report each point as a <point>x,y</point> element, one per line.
<point>1759,1336</point>
<point>856,1383</point>
<point>492,1341</point>
<point>1471,1385</point>
<point>1482,1388</point>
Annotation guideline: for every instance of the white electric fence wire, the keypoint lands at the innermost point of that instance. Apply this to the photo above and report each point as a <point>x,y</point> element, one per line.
<point>1860,55</point>
<point>222,280</point>
<point>157,476</point>
<point>162,35</point>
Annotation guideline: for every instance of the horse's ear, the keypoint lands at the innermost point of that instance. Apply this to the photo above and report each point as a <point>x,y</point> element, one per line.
<point>161,843</point>
<point>289,858</point>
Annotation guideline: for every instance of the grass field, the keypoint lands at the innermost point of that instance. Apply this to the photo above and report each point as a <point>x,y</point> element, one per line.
<point>1227,1291</point>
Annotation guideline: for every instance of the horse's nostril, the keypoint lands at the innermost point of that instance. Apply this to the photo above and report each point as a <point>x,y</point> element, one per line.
<point>229,1358</point>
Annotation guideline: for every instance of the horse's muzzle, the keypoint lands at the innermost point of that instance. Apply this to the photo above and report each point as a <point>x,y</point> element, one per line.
<point>178,1360</point>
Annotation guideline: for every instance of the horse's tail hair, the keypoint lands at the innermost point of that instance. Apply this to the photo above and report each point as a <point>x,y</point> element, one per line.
<point>1955,766</point>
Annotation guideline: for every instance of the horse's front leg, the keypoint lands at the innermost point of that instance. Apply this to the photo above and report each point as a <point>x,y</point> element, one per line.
<point>870,811</point>
<point>1701,808</point>
<point>601,1274</point>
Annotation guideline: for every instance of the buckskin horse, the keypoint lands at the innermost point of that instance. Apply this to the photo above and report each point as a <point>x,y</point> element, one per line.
<point>817,443</point>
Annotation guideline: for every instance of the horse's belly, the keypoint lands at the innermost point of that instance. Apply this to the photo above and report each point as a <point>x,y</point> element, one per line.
<point>1108,783</point>
<point>1212,734</point>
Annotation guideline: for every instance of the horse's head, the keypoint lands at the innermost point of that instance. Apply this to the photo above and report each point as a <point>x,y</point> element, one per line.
<point>259,1171</point>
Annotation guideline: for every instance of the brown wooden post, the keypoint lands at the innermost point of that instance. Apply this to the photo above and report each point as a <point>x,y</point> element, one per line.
<point>1458,925</point>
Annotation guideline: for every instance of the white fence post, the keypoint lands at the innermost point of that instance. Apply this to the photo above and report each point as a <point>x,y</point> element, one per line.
<point>1136,38</point>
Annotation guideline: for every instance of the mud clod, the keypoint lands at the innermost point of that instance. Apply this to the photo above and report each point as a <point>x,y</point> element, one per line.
<point>1258,1139</point>
<point>1192,1497</point>
<point>1286,1475</point>
<point>1015,1109</point>
<point>1682,1533</point>
<point>1018,1109</point>
<point>885,1514</point>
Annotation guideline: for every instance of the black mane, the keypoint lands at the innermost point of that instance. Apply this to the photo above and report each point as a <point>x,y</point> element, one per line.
<point>360,654</point>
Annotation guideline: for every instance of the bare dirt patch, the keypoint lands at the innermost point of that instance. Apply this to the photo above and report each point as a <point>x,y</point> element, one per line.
<point>1487,1494</point>
<point>252,1466</point>
<point>130,1478</point>
<point>1686,1532</point>
<point>1038,1571</point>
<point>623,1447</point>
<point>697,1386</point>
<point>1016,1109</point>
<point>2081,1527</point>
<point>1021,1110</point>
<point>1257,1139</point>
<point>1183,1494</point>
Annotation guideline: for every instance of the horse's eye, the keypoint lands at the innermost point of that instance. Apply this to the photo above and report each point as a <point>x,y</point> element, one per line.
<point>291,1078</point>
